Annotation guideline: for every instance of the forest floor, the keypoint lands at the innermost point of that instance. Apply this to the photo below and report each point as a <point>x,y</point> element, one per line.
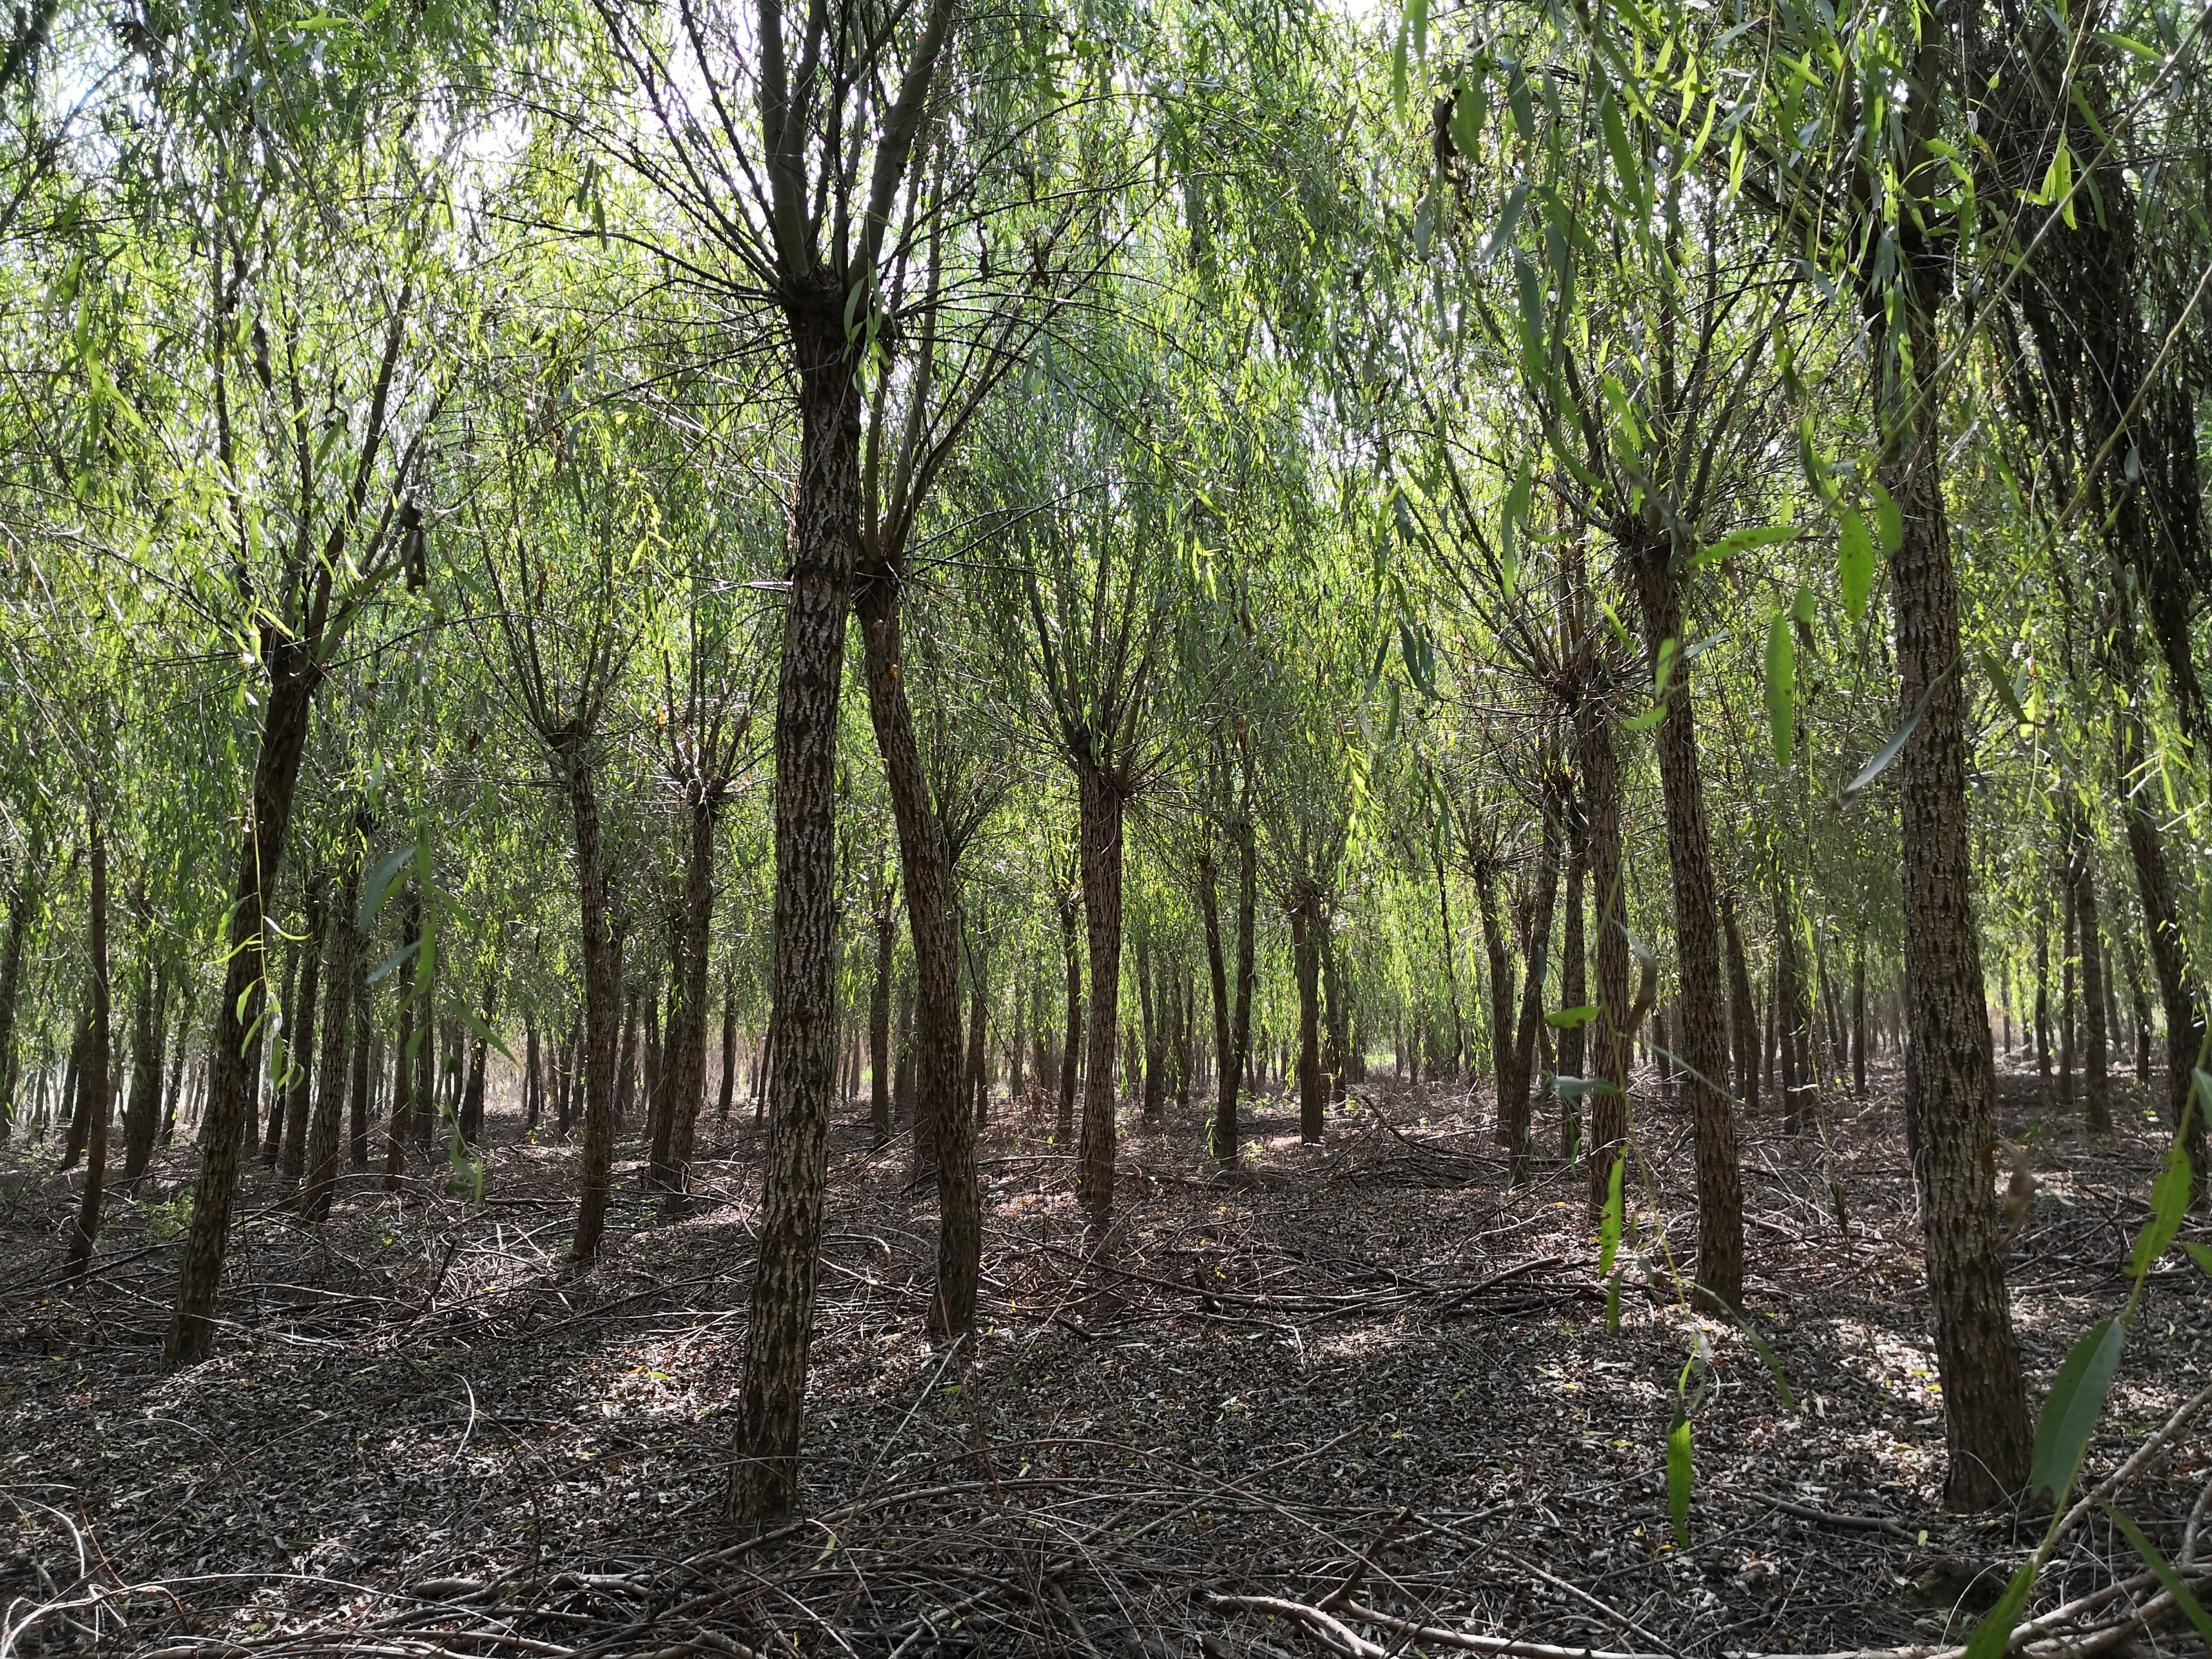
<point>1365,1359</point>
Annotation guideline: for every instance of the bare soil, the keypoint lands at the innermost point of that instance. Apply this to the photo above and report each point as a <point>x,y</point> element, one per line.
<point>1367,1360</point>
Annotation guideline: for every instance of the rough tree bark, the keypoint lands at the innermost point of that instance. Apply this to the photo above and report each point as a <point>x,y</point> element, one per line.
<point>1699,995</point>
<point>687,1066</point>
<point>293,675</point>
<point>1502,1050</point>
<point>1743,1009</point>
<point>945,1135</point>
<point>602,961</point>
<point>1099,808</point>
<point>22,899</point>
<point>1305,958</point>
<point>1599,779</point>
<point>2169,951</point>
<point>1515,1111</point>
<point>300,1049</point>
<point>1950,1088</point>
<point>148,1023</point>
<point>823,545</point>
<point>92,1078</point>
<point>345,974</point>
<point>1071,1051</point>
<point>2081,873</point>
<point>879,1022</point>
<point>1574,947</point>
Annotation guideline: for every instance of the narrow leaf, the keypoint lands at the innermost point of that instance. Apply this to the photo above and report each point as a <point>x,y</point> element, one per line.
<point>1678,1477</point>
<point>382,875</point>
<point>2169,1203</point>
<point>2166,1575</point>
<point>1881,759</point>
<point>1610,1225</point>
<point>1854,563</point>
<point>488,1035</point>
<point>391,964</point>
<point>1781,688</point>
<point>1889,519</point>
<point>2071,1410</point>
<point>1993,1635</point>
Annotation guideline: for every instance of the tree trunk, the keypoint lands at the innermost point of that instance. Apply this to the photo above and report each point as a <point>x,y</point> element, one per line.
<point>74,1109</point>
<point>404,1104</point>
<point>1222,1136</point>
<point>879,1024</point>
<point>148,1023</point>
<point>472,1090</point>
<point>368,1070</point>
<point>2138,1002</point>
<point>1950,1091</point>
<point>173,1097</point>
<point>1240,1016</point>
<point>94,1078</point>
<point>1535,947</point>
<point>22,899</point>
<point>1452,971</point>
<point>1743,1008</point>
<point>290,697</point>
<point>977,1089</point>
<point>1071,1050</point>
<point>2042,1005</point>
<point>283,1058</point>
<point>1700,996</point>
<point>1153,1023</point>
<point>1336,1043</point>
<point>1858,1023</point>
<point>1508,1088</point>
<point>2169,953</point>
<point>341,1023</point>
<point>729,1050</point>
<point>626,1064</point>
<point>2067,946</point>
<point>1099,808</point>
<point>823,541</point>
<point>602,965</point>
<point>1574,946</point>
<point>2082,868</point>
<point>533,1083</point>
<point>1788,966</point>
<point>687,1067</point>
<point>945,1135</point>
<point>299,1044</point>
<point>1305,956</point>
<point>1598,792</point>
<point>656,1089</point>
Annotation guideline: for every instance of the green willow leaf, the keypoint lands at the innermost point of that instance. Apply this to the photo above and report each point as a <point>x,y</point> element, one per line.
<point>1781,688</point>
<point>1882,758</point>
<point>2070,1411</point>
<point>2169,1203</point>
<point>1854,564</point>
<point>1992,1637</point>
<point>2166,1575</point>
<point>1679,1476</point>
<point>1609,1224</point>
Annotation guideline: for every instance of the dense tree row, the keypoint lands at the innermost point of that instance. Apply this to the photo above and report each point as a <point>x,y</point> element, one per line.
<point>642,565</point>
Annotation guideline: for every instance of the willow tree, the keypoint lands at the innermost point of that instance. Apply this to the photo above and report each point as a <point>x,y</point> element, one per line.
<point>1098,540</point>
<point>557,548</point>
<point>321,239</point>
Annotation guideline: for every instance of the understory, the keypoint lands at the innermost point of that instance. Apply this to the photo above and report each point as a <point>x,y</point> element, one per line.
<point>1358,1397</point>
